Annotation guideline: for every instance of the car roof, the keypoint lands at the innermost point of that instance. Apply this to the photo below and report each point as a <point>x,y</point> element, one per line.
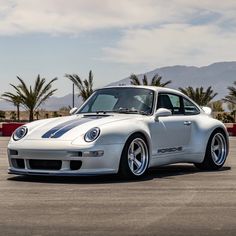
<point>154,88</point>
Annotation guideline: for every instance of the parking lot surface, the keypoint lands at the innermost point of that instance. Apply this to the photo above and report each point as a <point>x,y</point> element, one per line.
<point>171,200</point>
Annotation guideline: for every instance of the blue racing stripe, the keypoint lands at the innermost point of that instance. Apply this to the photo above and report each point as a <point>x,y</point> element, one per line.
<point>52,131</point>
<point>67,128</point>
<point>63,128</point>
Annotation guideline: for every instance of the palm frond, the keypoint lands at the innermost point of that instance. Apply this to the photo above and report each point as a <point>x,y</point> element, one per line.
<point>85,87</point>
<point>199,95</point>
<point>134,80</point>
<point>145,80</point>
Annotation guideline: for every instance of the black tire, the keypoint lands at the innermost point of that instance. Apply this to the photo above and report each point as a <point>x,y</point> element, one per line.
<point>210,161</point>
<point>128,157</point>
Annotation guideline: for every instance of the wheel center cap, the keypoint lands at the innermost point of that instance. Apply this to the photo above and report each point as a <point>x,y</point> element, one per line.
<point>132,157</point>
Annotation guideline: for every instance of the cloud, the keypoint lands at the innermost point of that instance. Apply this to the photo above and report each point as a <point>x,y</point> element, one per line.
<point>155,32</point>
<point>195,33</point>
<point>76,16</point>
<point>174,44</point>
<point>73,16</point>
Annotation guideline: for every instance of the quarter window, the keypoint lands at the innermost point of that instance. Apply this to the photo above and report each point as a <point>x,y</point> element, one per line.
<point>190,108</point>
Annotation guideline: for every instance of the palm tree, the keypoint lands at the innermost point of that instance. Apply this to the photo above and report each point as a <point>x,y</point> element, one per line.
<point>156,81</point>
<point>198,95</point>
<point>134,80</point>
<point>232,109</point>
<point>217,106</point>
<point>85,87</point>
<point>13,115</point>
<point>37,114</point>
<point>2,114</point>
<point>231,98</point>
<point>33,97</point>
<point>15,99</point>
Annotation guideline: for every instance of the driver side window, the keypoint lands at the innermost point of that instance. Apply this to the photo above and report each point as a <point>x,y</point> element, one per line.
<point>171,102</point>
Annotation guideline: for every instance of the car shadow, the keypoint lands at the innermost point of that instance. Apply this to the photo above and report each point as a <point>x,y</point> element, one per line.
<point>169,171</point>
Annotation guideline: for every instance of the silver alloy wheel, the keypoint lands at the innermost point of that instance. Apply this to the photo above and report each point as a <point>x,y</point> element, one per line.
<point>218,149</point>
<point>138,156</point>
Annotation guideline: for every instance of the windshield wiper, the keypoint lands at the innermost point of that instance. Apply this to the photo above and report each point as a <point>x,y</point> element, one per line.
<point>127,110</point>
<point>99,112</point>
<point>94,113</point>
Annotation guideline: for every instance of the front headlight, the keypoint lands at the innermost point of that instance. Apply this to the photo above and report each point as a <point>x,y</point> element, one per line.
<point>92,134</point>
<point>20,133</point>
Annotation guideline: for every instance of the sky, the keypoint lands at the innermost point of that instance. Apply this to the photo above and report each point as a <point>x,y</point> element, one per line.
<point>111,38</point>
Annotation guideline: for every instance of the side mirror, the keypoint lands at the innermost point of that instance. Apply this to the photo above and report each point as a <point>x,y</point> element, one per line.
<point>73,110</point>
<point>207,110</point>
<point>162,112</point>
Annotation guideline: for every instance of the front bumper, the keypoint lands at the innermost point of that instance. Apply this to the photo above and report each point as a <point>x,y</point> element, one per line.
<point>34,161</point>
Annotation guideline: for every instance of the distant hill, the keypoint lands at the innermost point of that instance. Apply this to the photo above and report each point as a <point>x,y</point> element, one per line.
<point>52,104</point>
<point>218,75</point>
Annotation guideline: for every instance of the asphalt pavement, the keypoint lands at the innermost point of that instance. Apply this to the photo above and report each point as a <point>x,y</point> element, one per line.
<point>171,200</point>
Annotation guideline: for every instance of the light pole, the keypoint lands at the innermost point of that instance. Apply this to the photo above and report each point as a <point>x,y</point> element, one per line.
<point>73,95</point>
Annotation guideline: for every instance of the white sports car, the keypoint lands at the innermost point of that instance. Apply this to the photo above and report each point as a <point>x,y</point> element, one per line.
<point>122,129</point>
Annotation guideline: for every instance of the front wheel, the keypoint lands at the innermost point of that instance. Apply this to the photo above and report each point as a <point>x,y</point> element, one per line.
<point>216,152</point>
<point>135,157</point>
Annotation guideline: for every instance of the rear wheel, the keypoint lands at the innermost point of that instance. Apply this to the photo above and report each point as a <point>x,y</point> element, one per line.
<point>135,157</point>
<point>216,152</point>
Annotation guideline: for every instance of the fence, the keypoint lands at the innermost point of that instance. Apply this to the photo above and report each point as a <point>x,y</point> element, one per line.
<point>6,129</point>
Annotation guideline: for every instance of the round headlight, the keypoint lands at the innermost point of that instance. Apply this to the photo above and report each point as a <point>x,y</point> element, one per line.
<point>20,133</point>
<point>92,134</point>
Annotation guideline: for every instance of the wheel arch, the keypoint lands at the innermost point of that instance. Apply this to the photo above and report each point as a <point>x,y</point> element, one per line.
<point>208,162</point>
<point>146,137</point>
<point>201,134</point>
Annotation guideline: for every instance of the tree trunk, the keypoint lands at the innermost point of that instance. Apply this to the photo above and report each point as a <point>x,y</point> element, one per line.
<point>31,115</point>
<point>18,112</point>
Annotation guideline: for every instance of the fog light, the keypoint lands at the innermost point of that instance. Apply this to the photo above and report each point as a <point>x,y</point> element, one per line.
<point>75,153</point>
<point>13,152</point>
<point>98,153</point>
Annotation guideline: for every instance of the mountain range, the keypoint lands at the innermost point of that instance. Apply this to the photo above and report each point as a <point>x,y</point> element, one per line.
<point>219,75</point>
<point>52,104</point>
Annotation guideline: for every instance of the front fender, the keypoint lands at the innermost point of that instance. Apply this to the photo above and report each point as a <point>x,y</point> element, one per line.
<point>119,132</point>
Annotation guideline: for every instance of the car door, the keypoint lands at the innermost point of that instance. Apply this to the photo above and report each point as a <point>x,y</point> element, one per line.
<point>171,134</point>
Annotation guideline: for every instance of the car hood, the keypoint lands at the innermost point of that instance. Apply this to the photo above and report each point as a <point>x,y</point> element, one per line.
<point>69,128</point>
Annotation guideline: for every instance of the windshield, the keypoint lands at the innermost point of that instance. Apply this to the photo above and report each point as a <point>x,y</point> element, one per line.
<point>122,100</point>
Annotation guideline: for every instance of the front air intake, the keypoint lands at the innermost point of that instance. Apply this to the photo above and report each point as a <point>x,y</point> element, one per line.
<point>75,165</point>
<point>18,163</point>
<point>13,152</point>
<point>45,164</point>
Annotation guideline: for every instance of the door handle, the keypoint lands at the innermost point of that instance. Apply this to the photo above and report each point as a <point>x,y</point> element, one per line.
<point>187,122</point>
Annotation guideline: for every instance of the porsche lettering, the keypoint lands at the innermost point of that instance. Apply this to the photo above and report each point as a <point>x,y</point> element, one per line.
<point>174,149</point>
